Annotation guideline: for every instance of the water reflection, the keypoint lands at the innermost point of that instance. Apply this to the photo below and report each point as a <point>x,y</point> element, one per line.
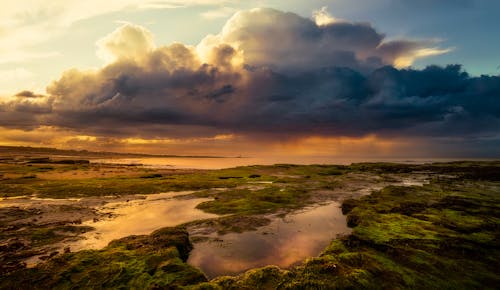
<point>140,217</point>
<point>283,242</point>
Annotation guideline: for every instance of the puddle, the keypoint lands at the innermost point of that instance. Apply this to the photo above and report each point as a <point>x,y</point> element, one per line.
<point>418,180</point>
<point>46,199</point>
<point>368,190</point>
<point>139,217</point>
<point>31,201</point>
<point>412,182</point>
<point>284,242</point>
<point>260,182</point>
<point>8,201</point>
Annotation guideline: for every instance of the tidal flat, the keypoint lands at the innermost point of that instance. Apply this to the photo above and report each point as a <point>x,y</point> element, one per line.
<point>71,223</point>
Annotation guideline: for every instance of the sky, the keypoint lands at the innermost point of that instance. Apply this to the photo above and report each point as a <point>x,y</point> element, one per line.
<point>358,78</point>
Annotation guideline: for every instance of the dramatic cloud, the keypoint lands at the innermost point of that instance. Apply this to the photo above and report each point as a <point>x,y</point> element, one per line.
<point>286,41</point>
<point>267,73</point>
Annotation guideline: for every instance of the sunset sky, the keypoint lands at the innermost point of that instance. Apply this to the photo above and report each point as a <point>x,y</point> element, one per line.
<point>359,78</point>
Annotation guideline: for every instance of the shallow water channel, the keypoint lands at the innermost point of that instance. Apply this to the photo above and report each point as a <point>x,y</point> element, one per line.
<point>284,242</point>
<point>140,217</point>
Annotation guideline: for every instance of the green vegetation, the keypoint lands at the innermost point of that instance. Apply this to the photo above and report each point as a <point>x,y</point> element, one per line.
<point>121,185</point>
<point>236,223</point>
<point>138,262</point>
<point>24,180</point>
<point>440,236</point>
<point>248,201</point>
<point>443,235</point>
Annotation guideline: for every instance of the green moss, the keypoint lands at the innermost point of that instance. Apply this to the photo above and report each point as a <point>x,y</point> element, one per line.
<point>443,235</point>
<point>382,228</point>
<point>270,277</point>
<point>309,177</point>
<point>236,223</point>
<point>255,201</point>
<point>136,262</point>
<point>440,236</point>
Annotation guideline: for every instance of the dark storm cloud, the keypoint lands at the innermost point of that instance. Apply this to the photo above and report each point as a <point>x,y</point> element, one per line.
<point>340,101</point>
<point>28,94</point>
<point>436,101</point>
<point>20,114</point>
<point>293,78</point>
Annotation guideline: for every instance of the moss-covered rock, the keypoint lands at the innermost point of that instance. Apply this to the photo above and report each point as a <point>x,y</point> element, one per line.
<point>444,235</point>
<point>135,262</point>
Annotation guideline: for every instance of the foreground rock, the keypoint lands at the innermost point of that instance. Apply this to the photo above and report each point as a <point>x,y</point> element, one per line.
<point>138,262</point>
<point>444,235</point>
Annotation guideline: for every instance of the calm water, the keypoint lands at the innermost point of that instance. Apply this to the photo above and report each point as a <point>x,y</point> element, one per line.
<point>140,217</point>
<point>284,242</point>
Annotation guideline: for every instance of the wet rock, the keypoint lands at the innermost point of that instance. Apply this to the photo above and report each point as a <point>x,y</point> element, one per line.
<point>12,246</point>
<point>11,266</point>
<point>171,266</point>
<point>12,227</point>
<point>353,220</point>
<point>51,255</point>
<point>348,205</point>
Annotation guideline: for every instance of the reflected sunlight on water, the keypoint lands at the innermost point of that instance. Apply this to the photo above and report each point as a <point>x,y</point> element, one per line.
<point>140,217</point>
<point>284,242</point>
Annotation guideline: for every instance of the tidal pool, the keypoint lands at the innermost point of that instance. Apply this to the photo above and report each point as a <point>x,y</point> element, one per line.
<point>284,242</point>
<point>139,217</point>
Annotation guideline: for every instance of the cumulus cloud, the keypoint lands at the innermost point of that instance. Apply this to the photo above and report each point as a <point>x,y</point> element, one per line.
<point>286,41</point>
<point>266,73</point>
<point>128,41</point>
